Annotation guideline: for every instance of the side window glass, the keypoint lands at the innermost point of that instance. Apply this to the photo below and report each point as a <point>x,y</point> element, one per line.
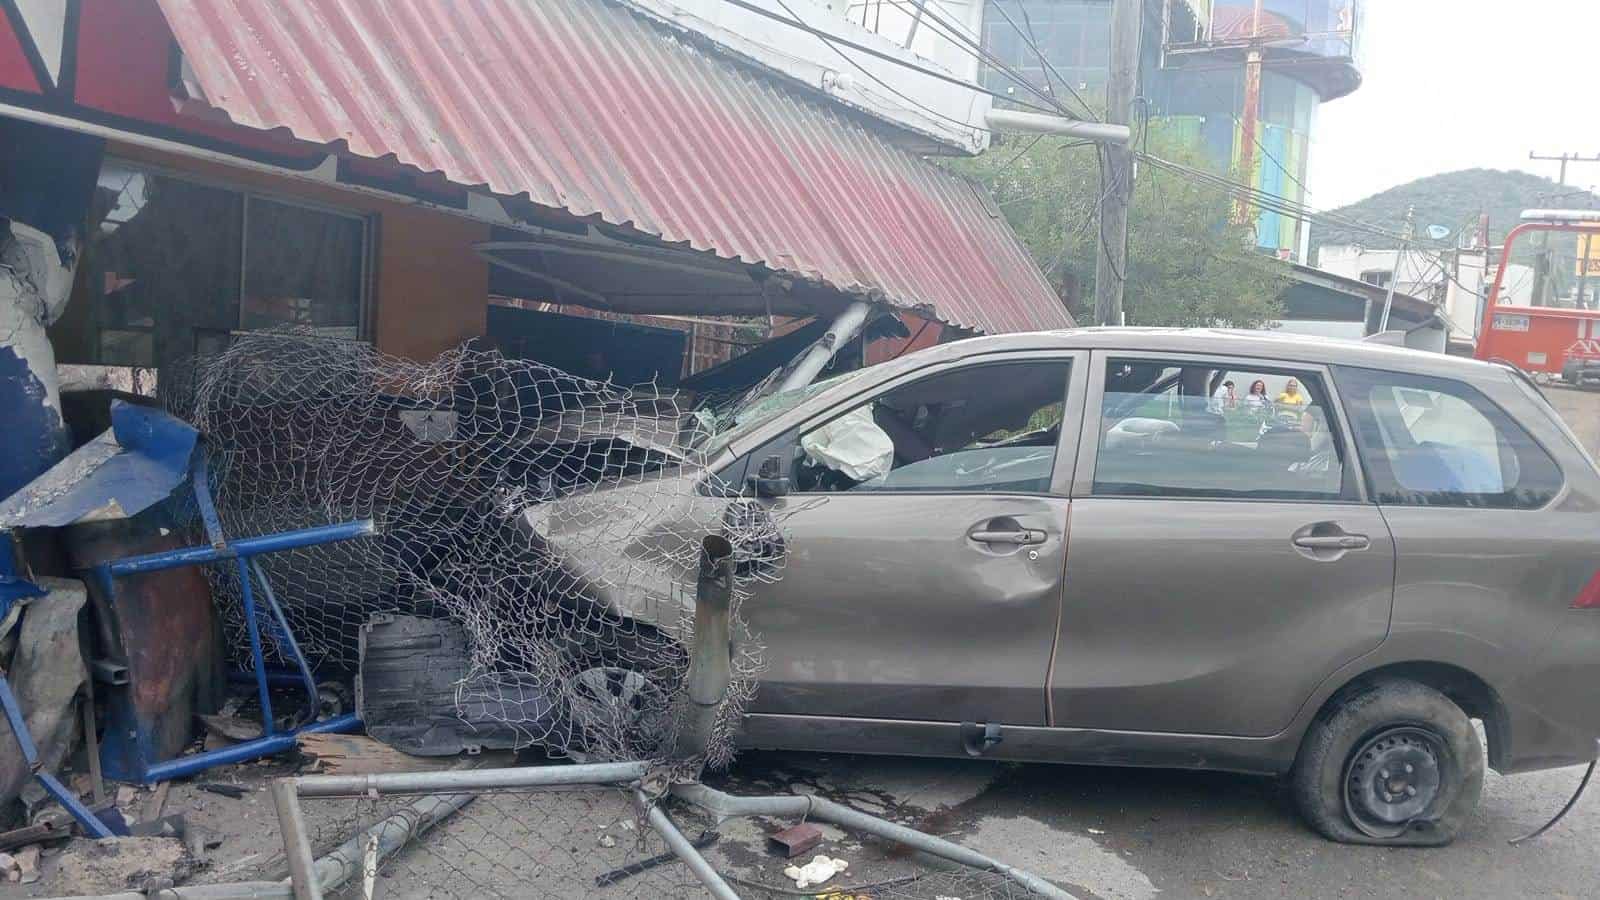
<point>1211,429</point>
<point>1436,442</point>
<point>991,428</point>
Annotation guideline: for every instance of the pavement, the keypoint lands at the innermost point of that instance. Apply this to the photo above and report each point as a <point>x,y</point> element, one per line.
<point>1133,834</point>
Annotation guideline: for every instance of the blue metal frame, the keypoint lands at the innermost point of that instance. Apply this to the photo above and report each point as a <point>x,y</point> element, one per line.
<point>242,552</point>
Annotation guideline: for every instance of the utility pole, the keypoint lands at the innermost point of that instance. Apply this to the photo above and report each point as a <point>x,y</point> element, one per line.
<point>1251,115</point>
<point>1564,159</point>
<point>1541,285</point>
<point>1399,260</point>
<point>1111,259</point>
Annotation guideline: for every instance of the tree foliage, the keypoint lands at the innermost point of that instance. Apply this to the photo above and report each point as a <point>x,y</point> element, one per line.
<point>1187,265</point>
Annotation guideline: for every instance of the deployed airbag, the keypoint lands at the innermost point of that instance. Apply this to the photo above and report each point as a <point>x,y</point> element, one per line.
<point>852,444</point>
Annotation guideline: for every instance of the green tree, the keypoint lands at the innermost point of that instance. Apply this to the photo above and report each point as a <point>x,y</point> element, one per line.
<point>1187,265</point>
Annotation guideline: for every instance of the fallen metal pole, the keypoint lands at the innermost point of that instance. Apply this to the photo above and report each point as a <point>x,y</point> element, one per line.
<point>710,670</point>
<point>330,872</point>
<point>723,806</point>
<point>467,779</point>
<point>843,329</point>
<point>691,857</point>
<point>240,890</point>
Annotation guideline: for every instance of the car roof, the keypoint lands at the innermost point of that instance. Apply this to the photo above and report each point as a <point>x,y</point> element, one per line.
<point>1230,342</point>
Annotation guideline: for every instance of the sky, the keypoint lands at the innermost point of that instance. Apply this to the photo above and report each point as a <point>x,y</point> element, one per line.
<point>1459,84</point>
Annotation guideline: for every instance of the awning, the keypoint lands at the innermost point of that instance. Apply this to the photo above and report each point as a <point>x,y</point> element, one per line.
<point>586,106</point>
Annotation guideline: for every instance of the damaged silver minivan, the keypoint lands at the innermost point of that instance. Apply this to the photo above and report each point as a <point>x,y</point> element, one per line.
<point>1196,549</point>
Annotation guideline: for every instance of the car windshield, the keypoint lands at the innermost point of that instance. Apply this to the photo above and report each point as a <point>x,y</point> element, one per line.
<point>729,426</point>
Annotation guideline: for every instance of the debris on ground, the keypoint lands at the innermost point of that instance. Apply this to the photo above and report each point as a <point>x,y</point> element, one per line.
<point>796,840</point>
<point>357,754</point>
<point>818,871</point>
<point>119,864</point>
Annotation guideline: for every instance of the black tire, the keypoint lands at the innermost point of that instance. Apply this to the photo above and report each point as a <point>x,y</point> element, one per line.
<point>1342,780</point>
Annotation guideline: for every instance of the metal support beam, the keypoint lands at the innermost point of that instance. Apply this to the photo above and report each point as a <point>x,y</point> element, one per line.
<point>1035,123</point>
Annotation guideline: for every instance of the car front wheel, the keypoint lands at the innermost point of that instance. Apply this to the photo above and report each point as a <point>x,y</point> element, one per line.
<point>1392,763</point>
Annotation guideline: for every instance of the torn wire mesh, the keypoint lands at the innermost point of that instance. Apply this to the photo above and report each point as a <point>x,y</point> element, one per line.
<point>556,520</point>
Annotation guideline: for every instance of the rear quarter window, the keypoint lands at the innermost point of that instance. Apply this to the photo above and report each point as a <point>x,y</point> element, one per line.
<point>1429,441</point>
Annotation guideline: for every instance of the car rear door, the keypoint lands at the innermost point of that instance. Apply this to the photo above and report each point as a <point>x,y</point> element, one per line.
<point>924,585</point>
<point>1224,559</point>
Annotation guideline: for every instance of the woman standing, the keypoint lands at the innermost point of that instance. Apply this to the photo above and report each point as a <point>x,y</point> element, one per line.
<point>1256,401</point>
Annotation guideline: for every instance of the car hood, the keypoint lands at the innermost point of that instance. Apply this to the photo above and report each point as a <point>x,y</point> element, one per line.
<point>631,547</point>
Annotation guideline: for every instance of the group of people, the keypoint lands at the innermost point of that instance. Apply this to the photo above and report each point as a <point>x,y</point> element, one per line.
<point>1291,398</point>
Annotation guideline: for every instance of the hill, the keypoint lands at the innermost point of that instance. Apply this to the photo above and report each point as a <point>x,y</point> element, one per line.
<point>1453,200</point>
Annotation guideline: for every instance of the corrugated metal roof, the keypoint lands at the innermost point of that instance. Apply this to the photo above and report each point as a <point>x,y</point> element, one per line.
<point>586,106</point>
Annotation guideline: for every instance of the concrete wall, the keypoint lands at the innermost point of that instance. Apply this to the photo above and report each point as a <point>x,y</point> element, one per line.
<point>429,290</point>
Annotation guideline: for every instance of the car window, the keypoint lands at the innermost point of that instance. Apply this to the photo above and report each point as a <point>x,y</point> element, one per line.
<point>1439,442</point>
<point>991,428</point>
<point>1212,429</point>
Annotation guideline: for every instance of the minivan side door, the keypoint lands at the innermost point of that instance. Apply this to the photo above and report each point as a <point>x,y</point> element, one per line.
<point>1224,558</point>
<point>926,539</point>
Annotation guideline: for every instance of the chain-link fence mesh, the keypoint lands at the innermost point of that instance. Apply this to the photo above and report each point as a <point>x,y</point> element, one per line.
<point>556,520</point>
<point>510,844</point>
<point>592,841</point>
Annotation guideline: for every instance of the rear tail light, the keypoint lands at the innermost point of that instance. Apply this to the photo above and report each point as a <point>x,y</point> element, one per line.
<point>1589,597</point>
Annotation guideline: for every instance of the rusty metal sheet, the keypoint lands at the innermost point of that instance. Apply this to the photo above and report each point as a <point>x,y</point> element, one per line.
<point>586,106</point>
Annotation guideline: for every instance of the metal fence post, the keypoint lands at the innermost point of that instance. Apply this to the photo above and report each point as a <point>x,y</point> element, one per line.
<point>710,670</point>
<point>296,843</point>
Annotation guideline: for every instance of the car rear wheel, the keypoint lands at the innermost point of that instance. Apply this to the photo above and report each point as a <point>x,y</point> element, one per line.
<point>1392,763</point>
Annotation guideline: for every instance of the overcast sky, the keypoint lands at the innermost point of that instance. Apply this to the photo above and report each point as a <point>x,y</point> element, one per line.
<point>1458,84</point>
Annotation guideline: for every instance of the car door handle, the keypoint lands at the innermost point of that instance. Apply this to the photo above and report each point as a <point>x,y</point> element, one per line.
<point>1022,537</point>
<point>1332,541</point>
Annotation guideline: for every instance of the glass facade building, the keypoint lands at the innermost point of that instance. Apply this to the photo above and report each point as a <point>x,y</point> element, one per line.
<point>1193,74</point>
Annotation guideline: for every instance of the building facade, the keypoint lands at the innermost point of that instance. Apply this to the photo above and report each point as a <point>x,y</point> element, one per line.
<point>1243,78</point>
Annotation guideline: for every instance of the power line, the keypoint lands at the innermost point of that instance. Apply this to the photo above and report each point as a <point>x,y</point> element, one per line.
<point>796,22</point>
<point>1032,41</point>
<point>1256,197</point>
<point>974,47</point>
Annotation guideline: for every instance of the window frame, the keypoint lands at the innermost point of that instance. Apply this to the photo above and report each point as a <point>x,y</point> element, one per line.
<point>1481,401</point>
<point>369,233</point>
<point>1353,484</point>
<point>1062,467</point>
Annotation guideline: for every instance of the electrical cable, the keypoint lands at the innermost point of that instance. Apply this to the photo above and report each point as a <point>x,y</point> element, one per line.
<point>1587,774</point>
<point>1256,197</point>
<point>1032,42</point>
<point>829,41</point>
<point>976,49</point>
<point>794,21</point>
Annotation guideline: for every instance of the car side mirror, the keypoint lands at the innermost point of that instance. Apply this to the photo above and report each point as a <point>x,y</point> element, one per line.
<point>769,480</point>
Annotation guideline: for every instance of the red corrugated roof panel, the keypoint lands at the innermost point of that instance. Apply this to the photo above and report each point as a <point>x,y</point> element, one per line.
<point>587,106</point>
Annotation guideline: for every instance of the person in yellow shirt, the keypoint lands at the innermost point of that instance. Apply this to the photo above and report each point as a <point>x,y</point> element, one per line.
<point>1291,396</point>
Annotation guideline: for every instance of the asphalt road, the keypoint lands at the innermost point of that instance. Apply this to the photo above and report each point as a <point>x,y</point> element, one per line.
<point>1126,834</point>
